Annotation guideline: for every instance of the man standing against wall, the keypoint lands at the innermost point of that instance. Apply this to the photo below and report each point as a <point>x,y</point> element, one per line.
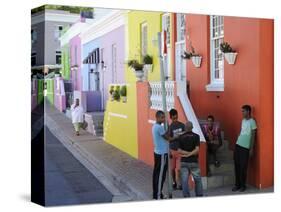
<point>244,148</point>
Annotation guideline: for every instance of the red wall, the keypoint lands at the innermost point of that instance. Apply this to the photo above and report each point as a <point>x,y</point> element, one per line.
<point>249,81</point>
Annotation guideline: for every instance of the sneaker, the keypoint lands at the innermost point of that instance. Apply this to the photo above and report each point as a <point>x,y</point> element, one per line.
<point>179,187</point>
<point>235,188</point>
<point>242,189</point>
<point>217,163</point>
<point>162,196</point>
<point>174,185</point>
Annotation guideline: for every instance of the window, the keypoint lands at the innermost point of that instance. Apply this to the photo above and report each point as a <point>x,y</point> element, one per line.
<point>166,25</point>
<point>58,31</point>
<point>217,62</point>
<point>33,35</point>
<point>180,27</point>
<point>33,58</point>
<point>58,57</point>
<point>144,39</point>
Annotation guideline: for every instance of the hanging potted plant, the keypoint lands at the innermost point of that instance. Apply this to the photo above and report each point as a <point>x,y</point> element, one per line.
<point>116,93</point>
<point>229,53</point>
<point>111,92</point>
<point>195,58</point>
<point>123,93</point>
<point>138,69</point>
<point>148,63</point>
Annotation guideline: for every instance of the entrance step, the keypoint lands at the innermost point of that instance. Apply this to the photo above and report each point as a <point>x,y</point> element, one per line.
<point>223,175</point>
<point>216,181</point>
<point>95,123</point>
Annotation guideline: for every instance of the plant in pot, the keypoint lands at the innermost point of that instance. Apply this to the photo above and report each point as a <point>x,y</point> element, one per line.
<point>229,53</point>
<point>116,93</point>
<point>148,62</point>
<point>195,58</point>
<point>123,93</point>
<point>138,68</point>
<point>111,90</point>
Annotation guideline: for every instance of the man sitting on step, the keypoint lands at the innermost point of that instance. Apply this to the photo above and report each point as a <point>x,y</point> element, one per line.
<point>212,134</point>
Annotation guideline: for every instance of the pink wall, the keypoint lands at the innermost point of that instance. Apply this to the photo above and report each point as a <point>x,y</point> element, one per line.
<point>75,42</point>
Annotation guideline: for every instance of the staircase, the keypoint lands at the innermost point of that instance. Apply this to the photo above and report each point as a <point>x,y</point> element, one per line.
<point>95,123</point>
<point>223,175</point>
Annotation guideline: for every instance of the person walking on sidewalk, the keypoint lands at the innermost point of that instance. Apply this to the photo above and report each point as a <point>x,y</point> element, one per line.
<point>77,116</point>
<point>175,128</point>
<point>244,148</point>
<point>161,148</point>
<point>189,150</point>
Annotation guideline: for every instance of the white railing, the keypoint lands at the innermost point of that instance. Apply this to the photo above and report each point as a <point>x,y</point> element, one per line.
<point>156,95</point>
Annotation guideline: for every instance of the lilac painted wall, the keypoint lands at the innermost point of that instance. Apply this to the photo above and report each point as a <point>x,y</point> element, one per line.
<point>75,59</point>
<point>115,37</point>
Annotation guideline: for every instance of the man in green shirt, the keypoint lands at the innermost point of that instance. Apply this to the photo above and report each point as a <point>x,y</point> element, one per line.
<point>244,148</point>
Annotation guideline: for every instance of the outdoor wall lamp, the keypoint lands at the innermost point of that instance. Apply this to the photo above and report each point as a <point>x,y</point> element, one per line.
<point>103,66</point>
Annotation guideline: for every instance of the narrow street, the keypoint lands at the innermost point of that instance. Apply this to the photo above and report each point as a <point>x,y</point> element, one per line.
<point>67,181</point>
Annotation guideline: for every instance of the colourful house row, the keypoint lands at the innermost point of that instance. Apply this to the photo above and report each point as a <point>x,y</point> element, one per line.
<point>98,52</point>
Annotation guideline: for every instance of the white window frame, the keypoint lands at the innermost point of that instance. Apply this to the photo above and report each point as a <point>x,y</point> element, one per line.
<point>58,32</point>
<point>181,29</point>
<point>180,63</point>
<point>165,26</point>
<point>144,41</point>
<point>166,57</point>
<point>216,84</point>
<point>59,53</point>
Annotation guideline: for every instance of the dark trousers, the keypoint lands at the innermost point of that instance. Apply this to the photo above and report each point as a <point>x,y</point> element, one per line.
<point>159,174</point>
<point>241,158</point>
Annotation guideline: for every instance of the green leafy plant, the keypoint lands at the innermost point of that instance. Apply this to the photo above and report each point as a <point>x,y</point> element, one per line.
<point>226,48</point>
<point>111,89</point>
<point>135,65</point>
<point>188,54</point>
<point>147,59</point>
<point>123,91</point>
<point>116,95</point>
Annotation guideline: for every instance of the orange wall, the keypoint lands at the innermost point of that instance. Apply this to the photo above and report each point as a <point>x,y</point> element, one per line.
<point>249,81</point>
<point>145,140</point>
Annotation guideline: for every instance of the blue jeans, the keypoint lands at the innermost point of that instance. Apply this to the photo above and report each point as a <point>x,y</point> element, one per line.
<point>194,170</point>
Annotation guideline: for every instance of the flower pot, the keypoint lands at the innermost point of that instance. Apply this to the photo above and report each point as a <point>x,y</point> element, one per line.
<point>230,57</point>
<point>124,98</point>
<point>148,67</point>
<point>139,75</point>
<point>196,60</point>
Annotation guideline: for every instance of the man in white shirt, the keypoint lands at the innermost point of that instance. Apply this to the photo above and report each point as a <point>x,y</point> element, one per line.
<point>244,148</point>
<point>77,116</point>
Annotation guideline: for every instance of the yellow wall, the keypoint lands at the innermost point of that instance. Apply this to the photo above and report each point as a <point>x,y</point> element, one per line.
<point>120,120</point>
<point>121,132</point>
<point>153,20</point>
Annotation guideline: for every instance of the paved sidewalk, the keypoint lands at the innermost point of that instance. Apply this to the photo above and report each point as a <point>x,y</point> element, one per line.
<point>125,177</point>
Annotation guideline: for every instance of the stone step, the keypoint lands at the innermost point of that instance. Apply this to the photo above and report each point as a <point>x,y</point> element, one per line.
<point>216,181</point>
<point>223,169</point>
